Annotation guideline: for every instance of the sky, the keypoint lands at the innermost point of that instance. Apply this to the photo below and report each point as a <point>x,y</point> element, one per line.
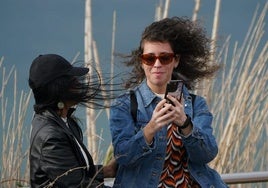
<point>32,27</point>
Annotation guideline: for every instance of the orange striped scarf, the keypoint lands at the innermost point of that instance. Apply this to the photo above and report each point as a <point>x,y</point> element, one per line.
<point>175,173</point>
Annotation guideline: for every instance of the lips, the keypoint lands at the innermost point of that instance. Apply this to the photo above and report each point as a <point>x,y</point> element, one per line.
<point>157,73</point>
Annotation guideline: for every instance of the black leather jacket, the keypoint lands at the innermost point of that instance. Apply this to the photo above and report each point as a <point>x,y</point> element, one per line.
<point>54,151</point>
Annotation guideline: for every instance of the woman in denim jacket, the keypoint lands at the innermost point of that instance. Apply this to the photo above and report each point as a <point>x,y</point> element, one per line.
<point>169,144</point>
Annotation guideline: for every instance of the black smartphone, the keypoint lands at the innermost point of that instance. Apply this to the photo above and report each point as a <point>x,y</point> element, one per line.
<point>174,88</point>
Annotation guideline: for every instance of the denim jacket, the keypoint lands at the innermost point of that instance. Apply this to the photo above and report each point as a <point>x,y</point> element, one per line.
<point>140,164</point>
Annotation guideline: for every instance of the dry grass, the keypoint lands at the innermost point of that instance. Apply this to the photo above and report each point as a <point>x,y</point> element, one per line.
<point>14,161</point>
<point>240,103</point>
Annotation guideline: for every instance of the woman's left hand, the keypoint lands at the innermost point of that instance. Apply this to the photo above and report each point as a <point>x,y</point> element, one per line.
<point>178,107</point>
<point>179,114</point>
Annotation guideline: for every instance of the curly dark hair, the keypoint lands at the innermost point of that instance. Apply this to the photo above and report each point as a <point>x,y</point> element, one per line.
<point>187,39</point>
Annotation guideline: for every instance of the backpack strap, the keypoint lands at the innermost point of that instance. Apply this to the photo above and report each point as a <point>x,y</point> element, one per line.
<point>193,98</point>
<point>133,105</point>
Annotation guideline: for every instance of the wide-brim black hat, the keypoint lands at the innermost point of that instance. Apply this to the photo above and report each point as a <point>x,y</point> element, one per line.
<point>48,67</point>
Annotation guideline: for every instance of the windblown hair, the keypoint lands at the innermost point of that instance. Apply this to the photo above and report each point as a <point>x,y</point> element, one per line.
<point>84,90</point>
<point>187,39</point>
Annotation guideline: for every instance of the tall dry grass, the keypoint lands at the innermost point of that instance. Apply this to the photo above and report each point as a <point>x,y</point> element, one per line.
<point>14,157</point>
<point>239,102</point>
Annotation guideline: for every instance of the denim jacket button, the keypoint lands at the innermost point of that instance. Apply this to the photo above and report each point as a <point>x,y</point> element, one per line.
<point>212,186</point>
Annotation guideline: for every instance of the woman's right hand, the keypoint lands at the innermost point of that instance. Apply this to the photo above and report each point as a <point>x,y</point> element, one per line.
<point>162,116</point>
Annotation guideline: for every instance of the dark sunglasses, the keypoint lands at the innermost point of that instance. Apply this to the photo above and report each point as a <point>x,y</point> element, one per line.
<point>164,58</point>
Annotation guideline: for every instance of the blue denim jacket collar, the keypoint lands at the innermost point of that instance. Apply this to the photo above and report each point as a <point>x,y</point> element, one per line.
<point>147,95</point>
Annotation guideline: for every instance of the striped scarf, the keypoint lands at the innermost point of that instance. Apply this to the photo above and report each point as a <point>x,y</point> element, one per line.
<point>175,173</point>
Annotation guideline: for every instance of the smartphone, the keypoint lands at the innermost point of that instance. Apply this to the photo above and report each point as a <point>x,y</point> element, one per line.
<point>174,88</point>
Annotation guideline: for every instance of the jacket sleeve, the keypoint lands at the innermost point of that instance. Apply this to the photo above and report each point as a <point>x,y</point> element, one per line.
<point>129,144</point>
<point>201,145</point>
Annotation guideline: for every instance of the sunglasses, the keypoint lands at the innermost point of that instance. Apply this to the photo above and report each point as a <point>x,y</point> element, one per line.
<point>164,58</point>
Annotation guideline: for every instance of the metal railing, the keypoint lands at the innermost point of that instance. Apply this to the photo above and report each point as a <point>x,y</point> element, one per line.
<point>230,178</point>
<point>245,177</point>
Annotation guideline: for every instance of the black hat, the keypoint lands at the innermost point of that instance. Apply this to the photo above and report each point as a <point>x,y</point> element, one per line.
<point>48,67</point>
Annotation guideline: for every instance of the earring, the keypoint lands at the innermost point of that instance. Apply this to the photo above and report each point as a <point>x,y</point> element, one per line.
<point>60,105</point>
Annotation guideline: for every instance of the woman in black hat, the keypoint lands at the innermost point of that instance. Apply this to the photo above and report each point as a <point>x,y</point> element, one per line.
<point>58,157</point>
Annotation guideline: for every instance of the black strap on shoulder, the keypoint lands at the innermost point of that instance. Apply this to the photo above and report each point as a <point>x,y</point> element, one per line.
<point>133,105</point>
<point>193,98</point>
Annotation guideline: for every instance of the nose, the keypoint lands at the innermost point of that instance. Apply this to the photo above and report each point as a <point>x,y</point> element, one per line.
<point>157,63</point>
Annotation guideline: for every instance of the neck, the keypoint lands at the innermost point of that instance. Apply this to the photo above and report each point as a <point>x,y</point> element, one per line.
<point>63,112</point>
<point>158,89</point>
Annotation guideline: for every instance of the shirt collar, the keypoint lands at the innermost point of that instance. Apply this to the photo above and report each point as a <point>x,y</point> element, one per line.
<point>147,95</point>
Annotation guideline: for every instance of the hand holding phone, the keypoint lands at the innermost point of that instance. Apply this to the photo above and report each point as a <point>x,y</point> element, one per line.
<point>174,88</point>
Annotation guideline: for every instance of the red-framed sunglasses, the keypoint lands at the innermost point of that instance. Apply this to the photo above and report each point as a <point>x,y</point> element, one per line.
<point>164,58</point>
